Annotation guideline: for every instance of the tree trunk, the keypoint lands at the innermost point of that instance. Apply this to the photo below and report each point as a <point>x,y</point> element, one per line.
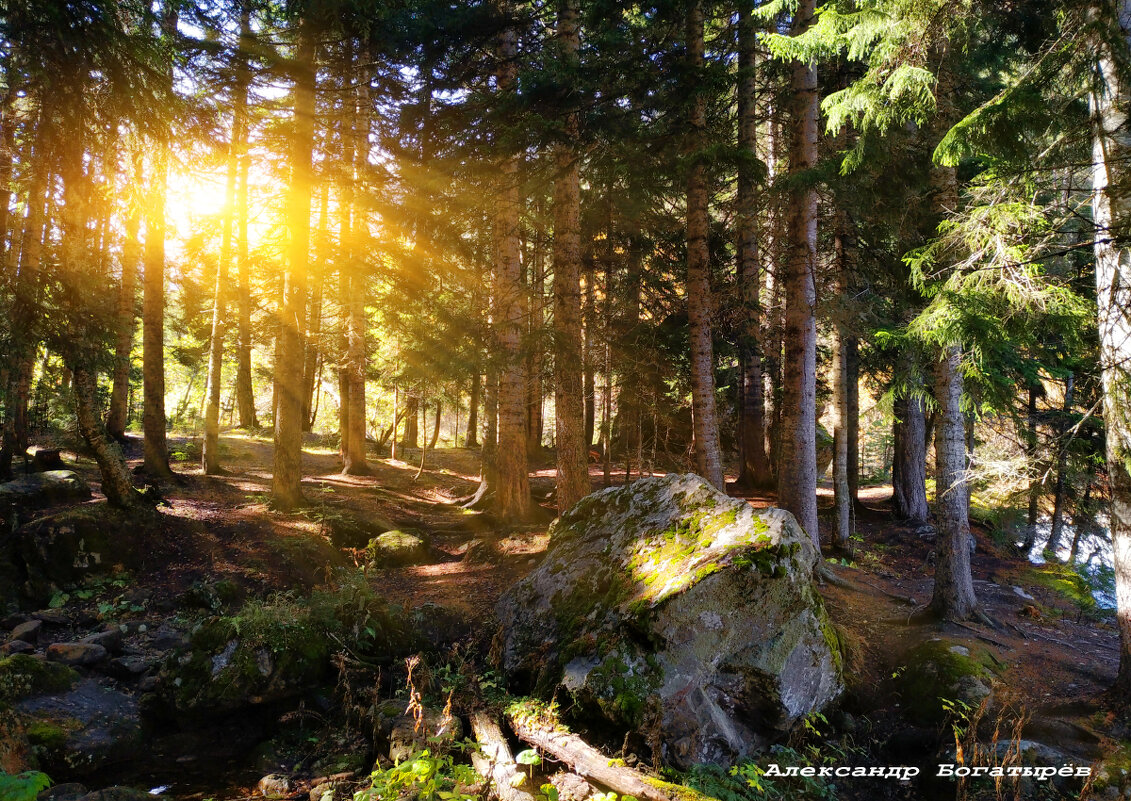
<point>797,477</point>
<point>909,469</point>
<point>412,421</point>
<point>436,426</point>
<point>312,342</point>
<point>953,596</point>
<point>356,358</point>
<point>211,450</point>
<point>590,335</point>
<point>512,496</point>
<point>153,302</point>
<point>708,456</point>
<point>1057,523</point>
<point>1111,213</point>
<point>116,484</point>
<point>286,482</point>
<point>118,416</point>
<point>534,359</point>
<point>852,425</point>
<point>754,463</point>
<point>569,390</point>
<point>245,393</point>
<point>473,411</point>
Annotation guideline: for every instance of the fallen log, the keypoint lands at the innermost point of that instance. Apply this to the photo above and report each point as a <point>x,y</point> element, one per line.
<point>588,762</point>
<point>494,760</point>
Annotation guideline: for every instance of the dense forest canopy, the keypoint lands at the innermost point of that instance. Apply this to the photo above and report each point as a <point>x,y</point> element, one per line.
<point>757,241</point>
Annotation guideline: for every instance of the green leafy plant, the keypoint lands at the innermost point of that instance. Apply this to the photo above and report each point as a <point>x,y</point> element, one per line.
<point>425,777</point>
<point>22,786</point>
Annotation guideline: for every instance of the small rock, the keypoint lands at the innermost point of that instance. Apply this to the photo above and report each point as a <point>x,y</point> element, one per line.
<point>147,684</point>
<point>128,667</point>
<point>11,621</point>
<point>168,639</point>
<point>76,654</point>
<point>16,647</point>
<point>138,595</point>
<point>961,650</point>
<point>274,785</point>
<point>71,791</point>
<point>1022,594</point>
<point>111,640</point>
<point>570,786</point>
<point>28,632</point>
<point>52,617</point>
<point>926,532</point>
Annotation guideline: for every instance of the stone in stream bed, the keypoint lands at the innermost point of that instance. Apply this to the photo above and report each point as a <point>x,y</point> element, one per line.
<point>668,607</point>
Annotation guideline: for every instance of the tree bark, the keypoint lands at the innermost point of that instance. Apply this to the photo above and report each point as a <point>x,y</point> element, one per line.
<point>286,481</point>
<point>156,451</point>
<point>118,416</point>
<point>797,476</point>
<point>953,594</point>
<point>494,761</point>
<point>1056,534</point>
<point>909,470</point>
<point>473,411</point>
<point>245,393</point>
<point>754,463</point>
<point>116,484</point>
<point>512,495</point>
<point>211,451</point>
<point>588,762</point>
<point>708,456</point>
<point>1111,213</point>
<point>569,390</point>
<point>356,358</point>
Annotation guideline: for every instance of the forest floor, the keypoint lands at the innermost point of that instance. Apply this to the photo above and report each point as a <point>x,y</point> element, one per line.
<point>1053,658</point>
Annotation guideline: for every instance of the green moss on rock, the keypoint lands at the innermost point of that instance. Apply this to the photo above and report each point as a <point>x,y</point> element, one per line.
<point>23,675</point>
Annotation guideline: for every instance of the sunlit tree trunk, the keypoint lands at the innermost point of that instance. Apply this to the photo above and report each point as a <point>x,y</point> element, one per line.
<point>153,300</point>
<point>569,390</point>
<point>953,595</point>
<point>512,495</point>
<point>754,464</point>
<point>286,481</point>
<point>797,472</point>
<point>312,344</point>
<point>211,451</point>
<point>245,393</point>
<point>473,410</point>
<point>356,358</point>
<point>708,457</point>
<point>1111,212</point>
<point>589,316</point>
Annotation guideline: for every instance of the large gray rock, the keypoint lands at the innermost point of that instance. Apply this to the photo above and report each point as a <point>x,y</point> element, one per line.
<point>41,489</point>
<point>668,607</point>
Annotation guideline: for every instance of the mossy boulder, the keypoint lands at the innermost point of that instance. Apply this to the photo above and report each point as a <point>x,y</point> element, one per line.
<point>941,675</point>
<point>669,608</point>
<point>225,669</point>
<point>66,548</point>
<point>83,730</point>
<point>398,549</point>
<point>23,676</point>
<point>43,489</point>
